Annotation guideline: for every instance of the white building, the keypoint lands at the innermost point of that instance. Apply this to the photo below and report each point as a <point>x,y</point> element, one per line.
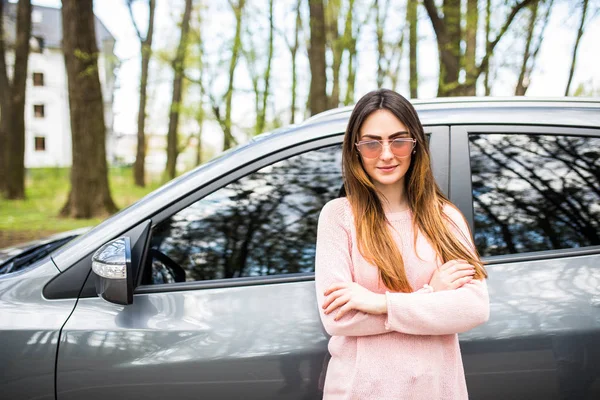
<point>47,121</point>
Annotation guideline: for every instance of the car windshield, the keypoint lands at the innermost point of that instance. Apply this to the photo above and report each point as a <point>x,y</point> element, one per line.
<point>32,255</point>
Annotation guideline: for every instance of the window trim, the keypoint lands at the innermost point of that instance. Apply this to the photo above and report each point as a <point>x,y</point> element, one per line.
<point>461,191</point>
<point>225,283</point>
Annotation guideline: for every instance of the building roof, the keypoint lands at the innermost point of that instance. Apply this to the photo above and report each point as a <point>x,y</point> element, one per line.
<point>47,23</point>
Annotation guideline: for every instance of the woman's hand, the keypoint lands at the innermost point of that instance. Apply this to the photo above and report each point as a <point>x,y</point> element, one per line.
<point>452,275</point>
<point>351,296</point>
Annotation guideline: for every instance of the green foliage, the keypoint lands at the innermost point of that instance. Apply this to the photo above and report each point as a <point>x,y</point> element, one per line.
<point>587,89</point>
<point>47,190</point>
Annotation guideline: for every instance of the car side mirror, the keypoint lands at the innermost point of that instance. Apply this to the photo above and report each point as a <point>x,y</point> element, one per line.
<point>114,274</point>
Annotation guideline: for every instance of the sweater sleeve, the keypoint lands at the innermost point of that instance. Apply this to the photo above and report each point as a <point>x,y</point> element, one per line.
<point>333,264</point>
<point>443,312</point>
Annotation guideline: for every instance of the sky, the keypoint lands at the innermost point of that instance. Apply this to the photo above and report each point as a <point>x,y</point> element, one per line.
<point>549,78</point>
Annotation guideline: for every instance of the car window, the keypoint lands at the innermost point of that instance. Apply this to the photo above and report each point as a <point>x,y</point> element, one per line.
<point>262,224</point>
<point>534,192</point>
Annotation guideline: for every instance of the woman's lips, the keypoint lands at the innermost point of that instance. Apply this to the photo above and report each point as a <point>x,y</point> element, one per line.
<point>387,169</point>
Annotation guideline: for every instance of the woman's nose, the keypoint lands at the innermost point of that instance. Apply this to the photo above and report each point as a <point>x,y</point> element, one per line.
<point>386,152</point>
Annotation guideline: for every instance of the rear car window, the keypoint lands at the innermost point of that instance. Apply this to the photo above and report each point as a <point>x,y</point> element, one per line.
<point>534,192</point>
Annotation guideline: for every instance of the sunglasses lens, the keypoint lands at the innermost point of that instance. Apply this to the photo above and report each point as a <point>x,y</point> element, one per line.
<point>370,149</point>
<point>373,148</point>
<point>401,148</point>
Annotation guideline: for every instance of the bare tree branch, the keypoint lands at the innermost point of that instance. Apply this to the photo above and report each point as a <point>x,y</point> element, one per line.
<point>491,45</point>
<point>137,30</point>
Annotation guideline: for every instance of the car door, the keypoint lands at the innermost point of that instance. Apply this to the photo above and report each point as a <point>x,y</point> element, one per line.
<point>531,195</point>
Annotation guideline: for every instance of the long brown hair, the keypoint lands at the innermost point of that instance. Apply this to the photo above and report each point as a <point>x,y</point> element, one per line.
<point>425,199</point>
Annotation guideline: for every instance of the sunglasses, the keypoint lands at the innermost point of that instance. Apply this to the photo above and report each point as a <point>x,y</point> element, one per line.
<point>400,147</point>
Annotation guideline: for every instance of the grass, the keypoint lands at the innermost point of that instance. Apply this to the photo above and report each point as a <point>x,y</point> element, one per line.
<point>46,190</point>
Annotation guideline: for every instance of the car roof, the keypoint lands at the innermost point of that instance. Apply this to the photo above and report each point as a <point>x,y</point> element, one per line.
<point>562,111</point>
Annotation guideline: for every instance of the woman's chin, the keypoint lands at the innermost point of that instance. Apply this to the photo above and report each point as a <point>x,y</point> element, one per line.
<point>388,180</point>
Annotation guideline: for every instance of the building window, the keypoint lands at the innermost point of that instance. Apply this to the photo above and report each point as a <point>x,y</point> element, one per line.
<point>38,110</point>
<point>40,143</point>
<point>38,79</point>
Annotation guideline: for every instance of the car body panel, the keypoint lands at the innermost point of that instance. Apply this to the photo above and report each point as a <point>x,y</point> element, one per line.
<point>263,341</point>
<point>544,319</point>
<point>29,334</point>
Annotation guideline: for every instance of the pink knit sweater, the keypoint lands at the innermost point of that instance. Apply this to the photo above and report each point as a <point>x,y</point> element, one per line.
<point>413,351</point>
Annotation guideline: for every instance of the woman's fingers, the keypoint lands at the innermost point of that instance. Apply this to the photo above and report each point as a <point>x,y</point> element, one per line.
<point>460,282</point>
<point>336,286</point>
<point>461,273</point>
<point>343,310</point>
<point>334,295</point>
<point>340,301</point>
<point>463,266</point>
<point>451,263</point>
<point>329,299</point>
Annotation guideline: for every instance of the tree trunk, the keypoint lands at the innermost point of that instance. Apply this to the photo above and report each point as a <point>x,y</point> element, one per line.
<point>584,6</point>
<point>448,36</point>
<point>200,114</point>
<point>521,84</point>
<point>294,51</point>
<point>316,58</point>
<point>411,19</point>
<point>450,72</point>
<point>5,103</point>
<point>200,121</point>
<point>261,115</point>
<point>13,107</point>
<point>379,33</point>
<point>351,37</point>
<point>447,32</point>
<point>89,196</point>
<point>471,47</point>
<point>228,139</point>
<point>336,44</point>
<point>178,67</point>
<point>351,79</point>
<point>146,52</point>
<point>488,29</point>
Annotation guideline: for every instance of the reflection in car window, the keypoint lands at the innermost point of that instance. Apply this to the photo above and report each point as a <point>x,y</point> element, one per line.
<point>262,224</point>
<point>535,192</point>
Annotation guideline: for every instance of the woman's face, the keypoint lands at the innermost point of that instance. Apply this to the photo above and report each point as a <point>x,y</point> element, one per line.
<point>387,168</point>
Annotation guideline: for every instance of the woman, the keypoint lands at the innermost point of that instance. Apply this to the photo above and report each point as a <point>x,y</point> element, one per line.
<point>397,275</point>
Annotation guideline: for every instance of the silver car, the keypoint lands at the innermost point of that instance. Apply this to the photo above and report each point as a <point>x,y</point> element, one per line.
<point>204,288</point>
